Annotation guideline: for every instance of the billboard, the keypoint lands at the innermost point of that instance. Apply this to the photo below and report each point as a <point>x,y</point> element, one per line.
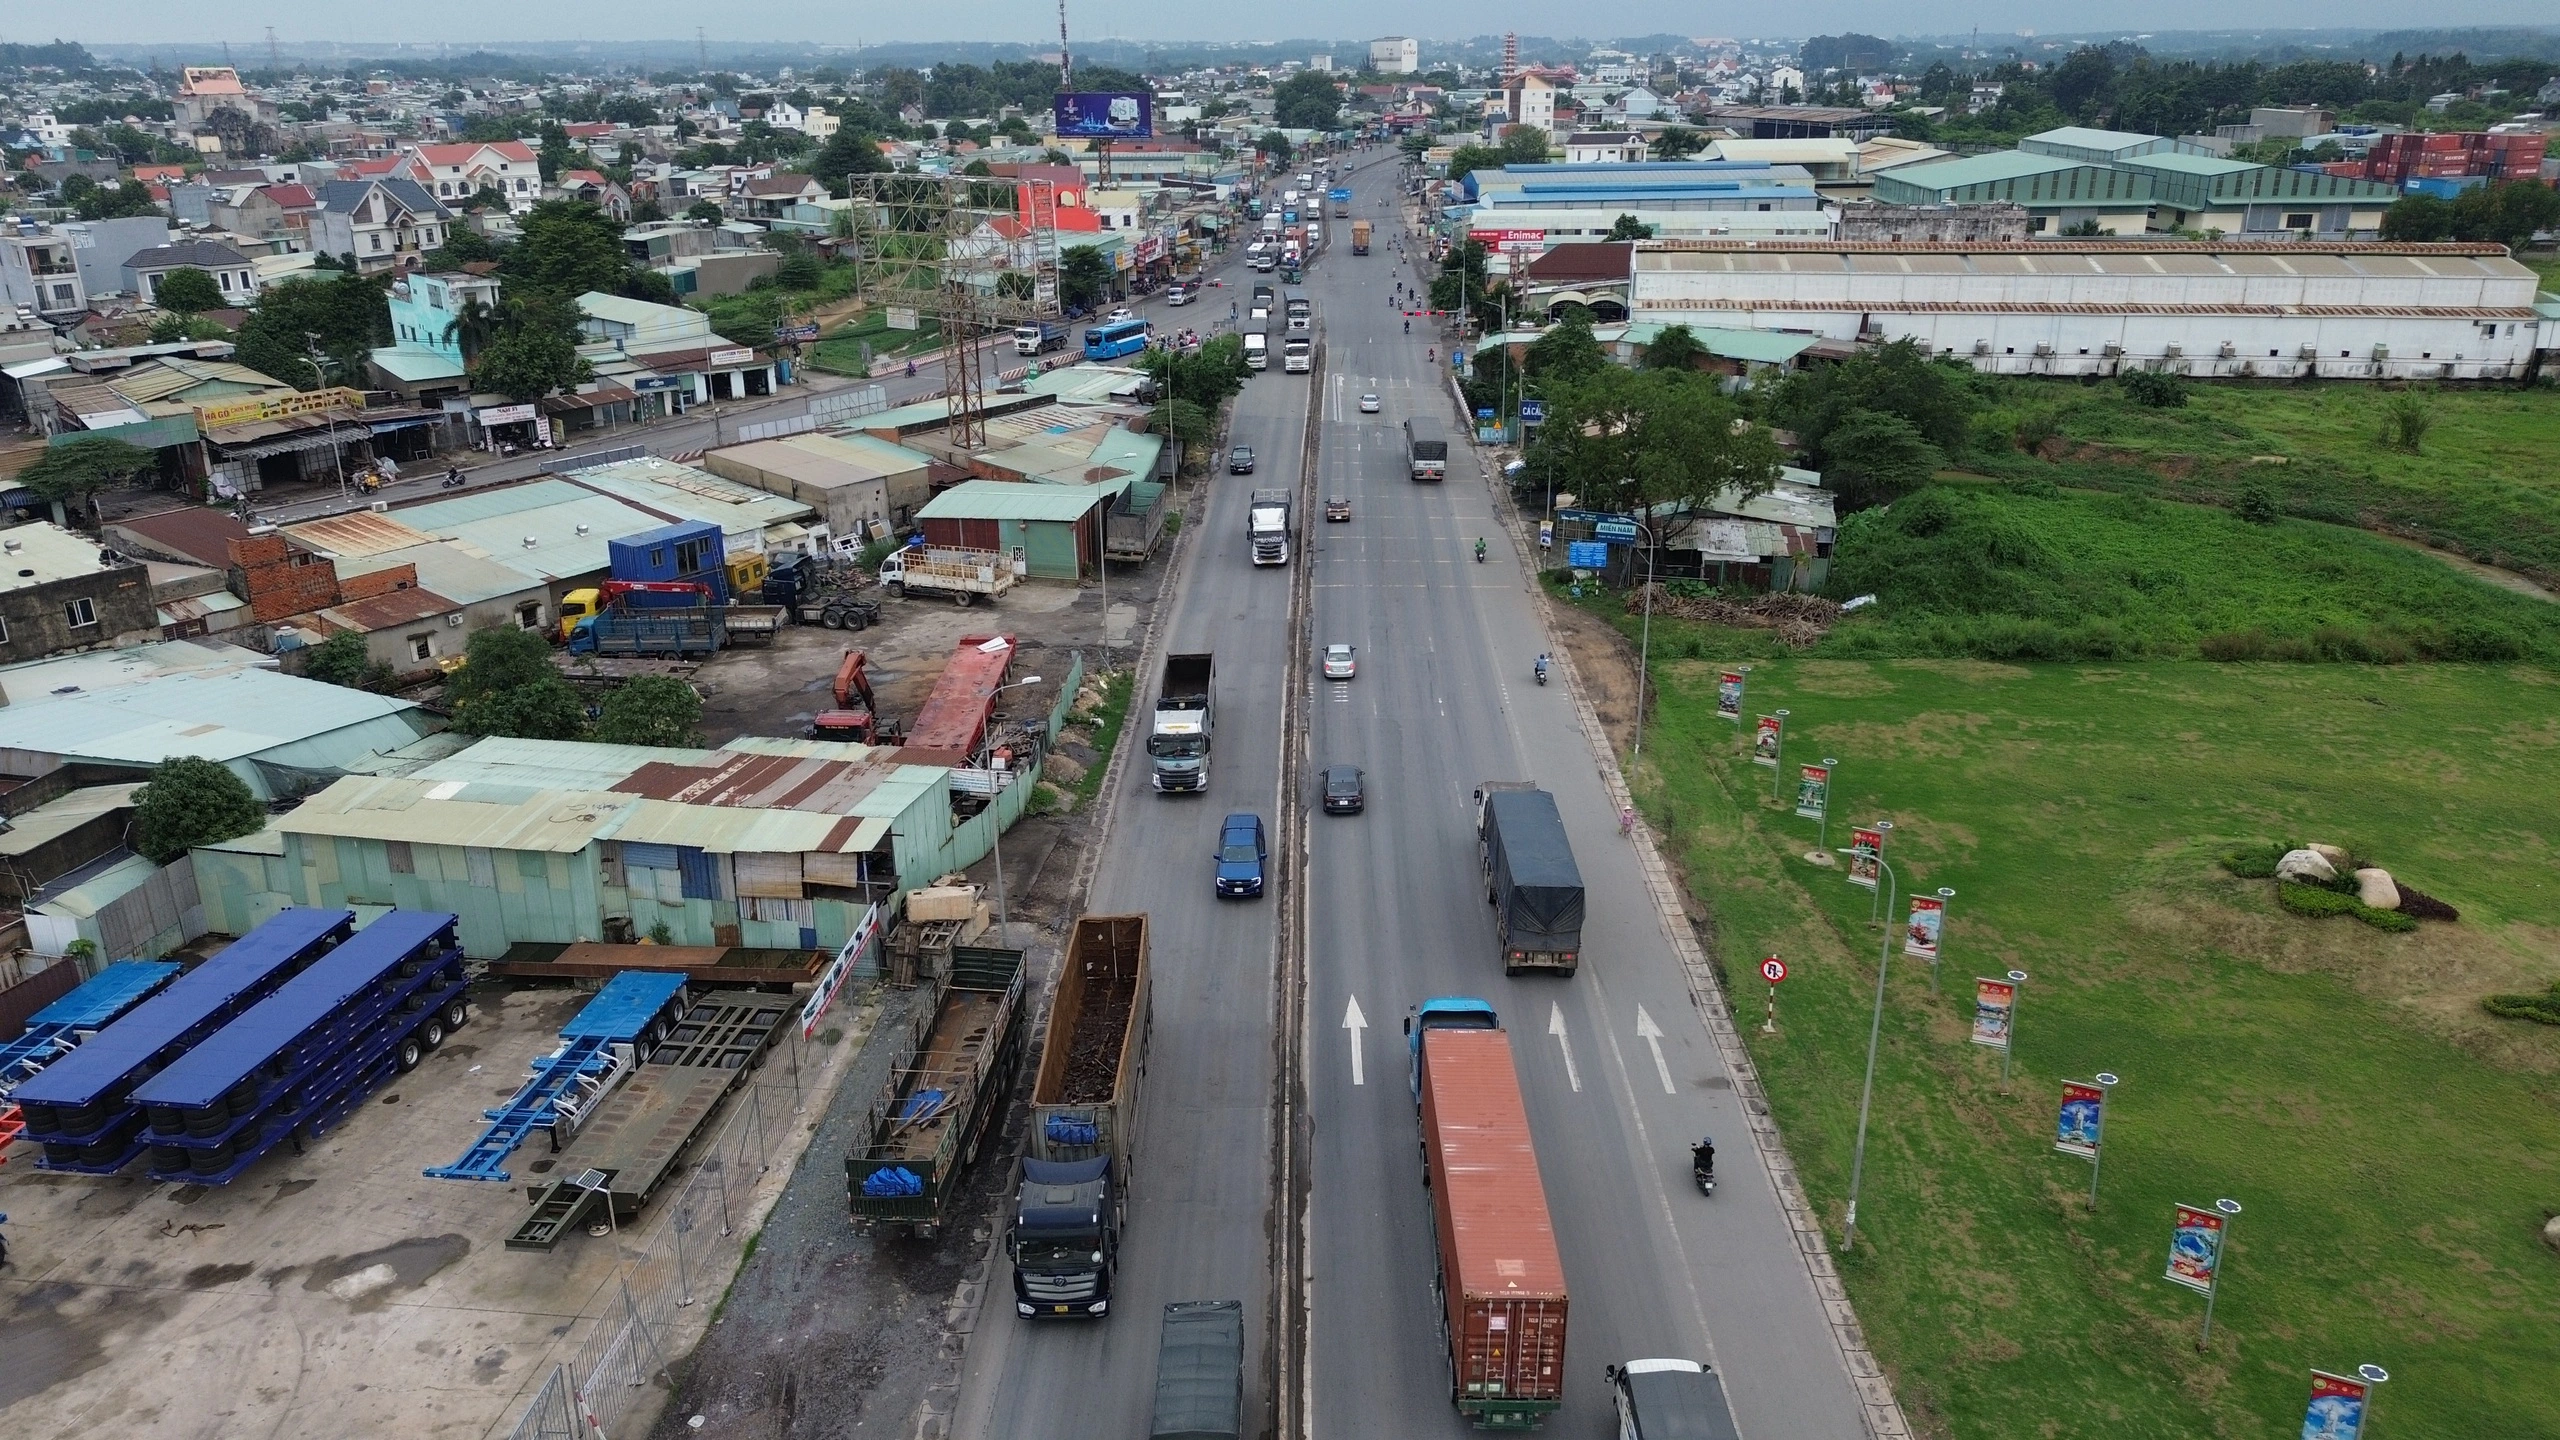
<point>1510,242</point>
<point>1106,115</point>
<point>2337,1407</point>
<point>1866,857</point>
<point>2195,1248</point>
<point>1928,922</point>
<point>2083,1118</point>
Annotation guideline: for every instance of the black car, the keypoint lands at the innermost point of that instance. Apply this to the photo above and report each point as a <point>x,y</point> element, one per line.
<point>1346,790</point>
<point>1240,460</point>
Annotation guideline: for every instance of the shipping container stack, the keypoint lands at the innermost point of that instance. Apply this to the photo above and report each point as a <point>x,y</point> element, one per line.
<point>2448,156</point>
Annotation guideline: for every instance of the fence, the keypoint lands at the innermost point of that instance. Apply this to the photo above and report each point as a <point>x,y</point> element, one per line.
<point>828,409</point>
<point>687,1247</point>
<point>565,464</point>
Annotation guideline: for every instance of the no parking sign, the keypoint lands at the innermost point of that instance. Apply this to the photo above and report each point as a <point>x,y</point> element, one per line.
<point>1772,970</point>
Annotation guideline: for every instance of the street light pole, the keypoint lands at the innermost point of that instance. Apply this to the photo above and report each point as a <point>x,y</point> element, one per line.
<point>1644,647</point>
<point>1866,1097</point>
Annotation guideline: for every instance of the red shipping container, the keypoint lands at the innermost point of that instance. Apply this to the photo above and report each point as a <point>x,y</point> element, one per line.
<point>1499,1271</point>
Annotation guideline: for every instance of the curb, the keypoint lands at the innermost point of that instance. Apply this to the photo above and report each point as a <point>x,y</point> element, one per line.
<point>1884,1417</point>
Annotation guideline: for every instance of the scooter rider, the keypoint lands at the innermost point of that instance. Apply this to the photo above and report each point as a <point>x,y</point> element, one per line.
<point>1702,1158</point>
<point>1479,549</point>
<point>1542,668</point>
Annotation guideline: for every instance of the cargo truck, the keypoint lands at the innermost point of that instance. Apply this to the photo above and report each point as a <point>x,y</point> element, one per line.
<point>942,1096</point>
<point>1297,355</point>
<point>1186,712</point>
<point>1200,1372</point>
<point>1500,1281</point>
<point>1530,878</point>
<point>1263,297</point>
<point>1340,196</point>
<point>965,576</point>
<point>1257,348</point>
<point>1426,447</point>
<point>1266,524</point>
<point>1084,1124</point>
<point>1670,1400</point>
<point>1359,237</point>
<point>695,630</point>
<point>1039,337</point>
<point>806,591</point>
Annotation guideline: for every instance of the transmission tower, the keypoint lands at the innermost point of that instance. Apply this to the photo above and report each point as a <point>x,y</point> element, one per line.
<point>1066,71</point>
<point>977,254</point>
<point>275,60</point>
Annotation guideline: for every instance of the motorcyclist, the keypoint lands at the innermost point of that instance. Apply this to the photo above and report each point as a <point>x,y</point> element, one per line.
<point>1408,327</point>
<point>1479,549</point>
<point>1542,667</point>
<point>911,369</point>
<point>1702,1158</point>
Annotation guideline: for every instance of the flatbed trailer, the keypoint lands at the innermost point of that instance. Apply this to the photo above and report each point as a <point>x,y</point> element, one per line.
<point>615,1030</point>
<point>81,1108</point>
<point>636,1138</point>
<point>941,1097</point>
<point>61,1027</point>
<point>293,1065</point>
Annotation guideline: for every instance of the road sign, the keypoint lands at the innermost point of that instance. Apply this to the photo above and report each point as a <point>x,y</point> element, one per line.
<point>1586,554</point>
<point>1583,517</point>
<point>1484,414</point>
<point>795,332</point>
<point>1615,531</point>
<point>1773,969</point>
<point>1533,412</point>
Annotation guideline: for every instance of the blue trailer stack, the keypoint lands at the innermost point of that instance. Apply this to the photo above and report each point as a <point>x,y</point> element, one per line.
<point>634,1008</point>
<point>296,1062</point>
<point>81,1108</point>
<point>61,1027</point>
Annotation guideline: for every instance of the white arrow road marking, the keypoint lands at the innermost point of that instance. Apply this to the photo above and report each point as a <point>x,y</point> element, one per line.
<point>1555,1027</point>
<point>1355,1022</point>
<point>1651,1034</point>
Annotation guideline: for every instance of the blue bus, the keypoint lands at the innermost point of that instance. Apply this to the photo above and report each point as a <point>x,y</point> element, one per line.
<point>1110,342</point>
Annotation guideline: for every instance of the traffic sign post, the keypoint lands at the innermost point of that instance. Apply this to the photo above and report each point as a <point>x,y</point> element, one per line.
<point>1772,970</point>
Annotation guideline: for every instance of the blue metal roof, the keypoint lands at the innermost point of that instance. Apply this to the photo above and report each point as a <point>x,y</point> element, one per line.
<point>233,1053</point>
<point>625,1006</point>
<point>107,994</point>
<point>194,998</point>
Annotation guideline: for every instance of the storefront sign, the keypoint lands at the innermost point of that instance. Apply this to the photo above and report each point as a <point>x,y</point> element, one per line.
<point>658,382</point>
<point>739,356</point>
<point>506,415</point>
<point>901,317</point>
<point>1506,242</point>
<point>242,412</point>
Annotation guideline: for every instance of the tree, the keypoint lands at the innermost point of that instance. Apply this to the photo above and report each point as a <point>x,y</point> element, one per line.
<point>1628,227</point>
<point>1275,146</point>
<point>191,801</point>
<point>472,327</point>
<point>1677,347</point>
<point>1306,101</point>
<point>2505,212</point>
<point>339,660</point>
<point>1625,439</point>
<point>188,290</point>
<point>2084,85</point>
<point>531,363</point>
<point>1874,457</point>
<point>506,686</point>
<point>567,248</point>
<point>650,710</point>
<point>1936,397</point>
<point>1525,145</point>
<point>1677,142</point>
<point>77,470</point>
<point>1464,284</point>
<point>344,310</point>
<point>174,327</point>
<point>1083,275</point>
<point>555,154</point>
<point>1565,355</point>
<point>110,202</point>
<point>706,210</point>
<point>1468,159</point>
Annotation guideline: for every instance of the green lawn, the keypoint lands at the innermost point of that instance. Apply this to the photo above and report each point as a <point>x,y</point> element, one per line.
<point>2397,1149</point>
<point>842,351</point>
<point>2547,266</point>
<point>2481,483</point>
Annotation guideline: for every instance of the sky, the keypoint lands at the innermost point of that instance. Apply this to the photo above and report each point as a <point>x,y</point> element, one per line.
<point>466,23</point>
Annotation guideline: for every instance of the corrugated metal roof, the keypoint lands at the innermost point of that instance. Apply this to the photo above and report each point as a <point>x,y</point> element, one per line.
<point>358,532</point>
<point>98,889</point>
<point>449,570</point>
<point>685,493</point>
<point>1005,500</point>
<point>374,807</point>
<point>1986,169</point>
<point>60,816</point>
<point>223,715</point>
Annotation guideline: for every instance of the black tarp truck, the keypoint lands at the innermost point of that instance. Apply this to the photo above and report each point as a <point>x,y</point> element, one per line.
<point>1426,448</point>
<point>1200,1372</point>
<point>942,1096</point>
<point>1530,878</point>
<point>1084,1124</point>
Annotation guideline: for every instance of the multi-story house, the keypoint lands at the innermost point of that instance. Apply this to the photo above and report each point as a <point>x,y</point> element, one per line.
<point>455,173</point>
<point>385,224</point>
<point>39,276</point>
<point>232,272</point>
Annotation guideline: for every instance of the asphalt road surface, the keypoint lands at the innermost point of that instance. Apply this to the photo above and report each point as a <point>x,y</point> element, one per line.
<point>1395,913</point>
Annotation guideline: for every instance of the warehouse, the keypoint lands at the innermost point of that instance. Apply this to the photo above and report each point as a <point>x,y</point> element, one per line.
<point>858,484</point>
<point>2270,309</point>
<point>769,843</point>
<point>1053,532</point>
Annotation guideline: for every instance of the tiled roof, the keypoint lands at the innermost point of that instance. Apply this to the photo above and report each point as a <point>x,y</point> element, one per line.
<point>203,254</point>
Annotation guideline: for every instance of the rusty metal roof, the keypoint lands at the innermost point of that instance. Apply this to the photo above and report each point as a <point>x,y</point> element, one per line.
<point>358,532</point>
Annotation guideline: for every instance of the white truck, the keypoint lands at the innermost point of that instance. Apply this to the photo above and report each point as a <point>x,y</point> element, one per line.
<point>1186,712</point>
<point>1266,524</point>
<point>964,575</point>
<point>1298,355</point>
<point>1257,350</point>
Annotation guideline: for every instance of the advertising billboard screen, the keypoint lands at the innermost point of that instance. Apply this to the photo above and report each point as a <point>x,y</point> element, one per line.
<point>1106,115</point>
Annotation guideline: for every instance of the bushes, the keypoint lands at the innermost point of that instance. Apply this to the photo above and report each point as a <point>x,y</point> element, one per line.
<point>2317,901</point>
<point>2153,389</point>
<point>2542,1009</point>
<point>2256,862</point>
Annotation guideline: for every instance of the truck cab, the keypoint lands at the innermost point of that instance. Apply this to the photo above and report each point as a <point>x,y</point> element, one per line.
<point>1670,1400</point>
<point>1065,1243</point>
<point>1445,1012</point>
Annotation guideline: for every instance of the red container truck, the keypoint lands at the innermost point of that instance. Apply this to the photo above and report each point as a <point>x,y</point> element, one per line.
<point>1500,1279</point>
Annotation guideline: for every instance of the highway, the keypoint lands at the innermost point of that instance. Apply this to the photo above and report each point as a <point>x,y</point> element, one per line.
<point>1394,912</point>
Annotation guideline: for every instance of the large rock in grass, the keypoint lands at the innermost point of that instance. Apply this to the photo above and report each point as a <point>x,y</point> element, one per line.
<point>2339,860</point>
<point>2551,1232</point>
<point>2306,867</point>
<point>2375,889</point>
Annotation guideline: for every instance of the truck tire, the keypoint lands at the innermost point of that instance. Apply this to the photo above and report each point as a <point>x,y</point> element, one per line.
<point>831,618</point>
<point>964,598</point>
<point>411,1052</point>
<point>897,589</point>
<point>431,1034</point>
<point>455,1013</point>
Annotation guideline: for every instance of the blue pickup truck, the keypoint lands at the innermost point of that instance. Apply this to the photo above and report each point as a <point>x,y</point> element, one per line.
<point>1241,852</point>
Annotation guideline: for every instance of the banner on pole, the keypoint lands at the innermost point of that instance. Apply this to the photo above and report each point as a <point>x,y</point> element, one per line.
<point>1993,1000</point>
<point>2337,1407</point>
<point>832,980</point>
<point>1729,696</point>
<point>1764,745</point>
<point>2084,1115</point>
<point>2195,1248</point>
<point>1813,792</point>
<point>1866,853</point>
<point>1928,923</point>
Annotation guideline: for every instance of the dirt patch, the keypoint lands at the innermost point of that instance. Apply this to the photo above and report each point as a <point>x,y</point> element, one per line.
<point>1603,665</point>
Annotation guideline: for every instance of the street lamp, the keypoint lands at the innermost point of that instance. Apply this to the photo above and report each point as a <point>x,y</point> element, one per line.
<point>1002,921</point>
<point>1644,648</point>
<point>329,413</point>
<point>1875,1032</point>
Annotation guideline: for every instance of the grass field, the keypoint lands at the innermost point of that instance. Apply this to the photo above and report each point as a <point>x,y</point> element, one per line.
<point>2481,483</point>
<point>2396,1149</point>
<point>842,351</point>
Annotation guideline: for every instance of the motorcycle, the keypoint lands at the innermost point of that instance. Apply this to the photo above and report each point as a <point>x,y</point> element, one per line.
<point>1479,552</point>
<point>452,481</point>
<point>1702,1167</point>
<point>1542,669</point>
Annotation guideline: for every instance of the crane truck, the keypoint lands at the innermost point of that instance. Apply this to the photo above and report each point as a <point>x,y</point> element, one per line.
<point>856,717</point>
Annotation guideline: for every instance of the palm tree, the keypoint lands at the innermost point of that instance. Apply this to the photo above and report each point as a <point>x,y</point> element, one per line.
<point>473,327</point>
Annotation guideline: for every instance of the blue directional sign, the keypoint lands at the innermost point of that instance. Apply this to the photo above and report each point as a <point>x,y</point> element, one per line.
<point>1616,531</point>
<point>1533,412</point>
<point>1586,554</point>
<point>1484,414</point>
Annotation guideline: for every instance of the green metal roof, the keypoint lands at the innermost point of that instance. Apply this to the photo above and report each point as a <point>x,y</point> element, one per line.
<point>2086,138</point>
<point>2205,165</point>
<point>416,364</point>
<point>1005,500</point>
<point>1988,169</point>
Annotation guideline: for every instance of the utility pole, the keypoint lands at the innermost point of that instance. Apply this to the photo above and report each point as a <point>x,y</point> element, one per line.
<point>1066,72</point>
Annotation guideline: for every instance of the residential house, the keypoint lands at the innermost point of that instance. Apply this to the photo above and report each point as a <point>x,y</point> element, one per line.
<point>416,598</point>
<point>425,357</point>
<point>205,90</point>
<point>820,126</point>
<point>672,341</point>
<point>231,271</point>
<point>268,212</point>
<point>384,223</point>
<point>456,173</point>
<point>1529,98</point>
<point>1640,103</point>
<point>39,278</point>
<point>59,591</point>
<point>597,189</point>
<point>770,196</point>
<point>1605,147</point>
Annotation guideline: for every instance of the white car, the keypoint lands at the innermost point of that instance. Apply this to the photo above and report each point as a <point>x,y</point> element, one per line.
<point>1116,316</point>
<point>1177,295</point>
<point>1368,404</point>
<point>1339,663</point>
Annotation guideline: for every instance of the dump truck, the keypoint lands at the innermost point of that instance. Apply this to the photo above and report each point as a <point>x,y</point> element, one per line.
<point>965,576</point>
<point>1500,1276</point>
<point>1359,237</point>
<point>1266,525</point>
<point>1073,1195</point>
<point>1185,714</point>
<point>943,1095</point>
<point>1200,1372</point>
<point>1426,447</point>
<point>1039,336</point>
<point>1670,1400</point>
<point>1530,878</point>
<point>856,716</point>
